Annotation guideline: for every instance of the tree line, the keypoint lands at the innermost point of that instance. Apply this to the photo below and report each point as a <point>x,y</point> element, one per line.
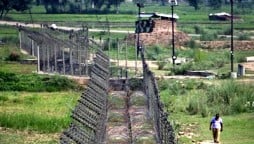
<point>217,4</point>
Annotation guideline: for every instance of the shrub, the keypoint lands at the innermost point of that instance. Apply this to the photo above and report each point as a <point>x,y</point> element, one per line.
<point>135,84</point>
<point>14,56</point>
<point>10,39</point>
<point>227,31</point>
<point>208,36</point>
<point>244,37</point>
<point>193,107</point>
<point>181,70</point>
<point>154,52</point>
<point>32,121</point>
<point>33,82</point>
<point>230,97</point>
<point>192,44</point>
<point>57,83</point>
<point>198,29</point>
<point>161,63</point>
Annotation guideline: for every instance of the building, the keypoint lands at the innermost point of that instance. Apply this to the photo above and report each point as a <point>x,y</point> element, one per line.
<point>161,33</point>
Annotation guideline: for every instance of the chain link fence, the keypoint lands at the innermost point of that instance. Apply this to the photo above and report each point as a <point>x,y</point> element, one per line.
<point>163,128</point>
<point>57,51</point>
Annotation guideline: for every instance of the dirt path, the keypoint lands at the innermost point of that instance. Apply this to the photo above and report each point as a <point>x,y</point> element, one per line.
<point>34,25</point>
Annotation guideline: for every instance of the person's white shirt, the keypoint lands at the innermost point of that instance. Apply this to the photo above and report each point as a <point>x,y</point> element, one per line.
<point>216,123</point>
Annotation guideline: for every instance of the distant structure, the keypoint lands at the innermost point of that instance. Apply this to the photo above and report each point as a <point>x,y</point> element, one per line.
<point>222,16</point>
<point>161,32</point>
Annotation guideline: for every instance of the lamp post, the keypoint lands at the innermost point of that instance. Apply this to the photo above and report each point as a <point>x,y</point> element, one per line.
<point>232,39</point>
<point>138,47</point>
<point>173,3</point>
<point>140,5</point>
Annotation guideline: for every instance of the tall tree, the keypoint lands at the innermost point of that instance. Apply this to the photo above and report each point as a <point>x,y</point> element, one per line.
<point>55,6</point>
<point>194,3</point>
<point>22,5</point>
<point>18,5</point>
<point>115,3</point>
<point>215,4</point>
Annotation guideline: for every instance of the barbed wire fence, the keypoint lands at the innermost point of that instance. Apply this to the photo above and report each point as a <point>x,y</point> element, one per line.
<point>72,53</point>
<point>69,52</point>
<point>89,117</point>
<point>163,128</point>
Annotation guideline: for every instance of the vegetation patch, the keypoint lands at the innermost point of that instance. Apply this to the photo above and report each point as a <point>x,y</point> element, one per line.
<point>34,82</point>
<point>42,112</point>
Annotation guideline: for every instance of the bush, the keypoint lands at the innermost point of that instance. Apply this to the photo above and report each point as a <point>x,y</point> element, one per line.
<point>135,84</point>
<point>198,29</point>
<point>195,97</point>
<point>208,36</point>
<point>33,82</point>
<point>10,39</point>
<point>227,31</point>
<point>244,37</point>
<point>161,63</point>
<point>231,97</point>
<point>154,52</point>
<point>192,44</point>
<point>181,70</point>
<point>14,56</point>
<point>32,121</point>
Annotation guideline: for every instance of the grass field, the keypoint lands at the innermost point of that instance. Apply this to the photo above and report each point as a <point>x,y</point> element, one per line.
<point>27,117</point>
<point>237,128</point>
<point>128,11</point>
<point>40,117</point>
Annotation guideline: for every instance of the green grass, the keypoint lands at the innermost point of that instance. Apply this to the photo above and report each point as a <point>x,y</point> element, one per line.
<point>237,128</point>
<point>7,30</point>
<point>18,68</point>
<point>42,112</point>
<point>128,12</point>
<point>194,102</point>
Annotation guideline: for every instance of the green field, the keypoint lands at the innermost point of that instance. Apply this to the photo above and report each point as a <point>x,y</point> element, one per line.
<point>37,114</point>
<point>188,16</point>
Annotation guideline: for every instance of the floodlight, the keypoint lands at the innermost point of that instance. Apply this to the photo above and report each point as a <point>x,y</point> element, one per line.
<point>173,2</point>
<point>140,5</point>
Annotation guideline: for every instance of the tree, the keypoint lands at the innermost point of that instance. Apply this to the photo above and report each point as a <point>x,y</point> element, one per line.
<point>22,5</point>
<point>245,5</point>
<point>5,7</point>
<point>54,6</point>
<point>194,3</point>
<point>115,3</point>
<point>18,5</point>
<point>215,4</point>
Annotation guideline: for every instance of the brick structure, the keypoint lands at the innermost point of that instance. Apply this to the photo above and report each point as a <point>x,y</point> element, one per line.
<point>162,32</point>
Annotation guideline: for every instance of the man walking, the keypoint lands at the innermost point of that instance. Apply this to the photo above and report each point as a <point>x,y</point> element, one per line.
<point>216,126</point>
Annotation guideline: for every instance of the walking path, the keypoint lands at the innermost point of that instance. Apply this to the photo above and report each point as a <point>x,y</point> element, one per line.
<point>12,23</point>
